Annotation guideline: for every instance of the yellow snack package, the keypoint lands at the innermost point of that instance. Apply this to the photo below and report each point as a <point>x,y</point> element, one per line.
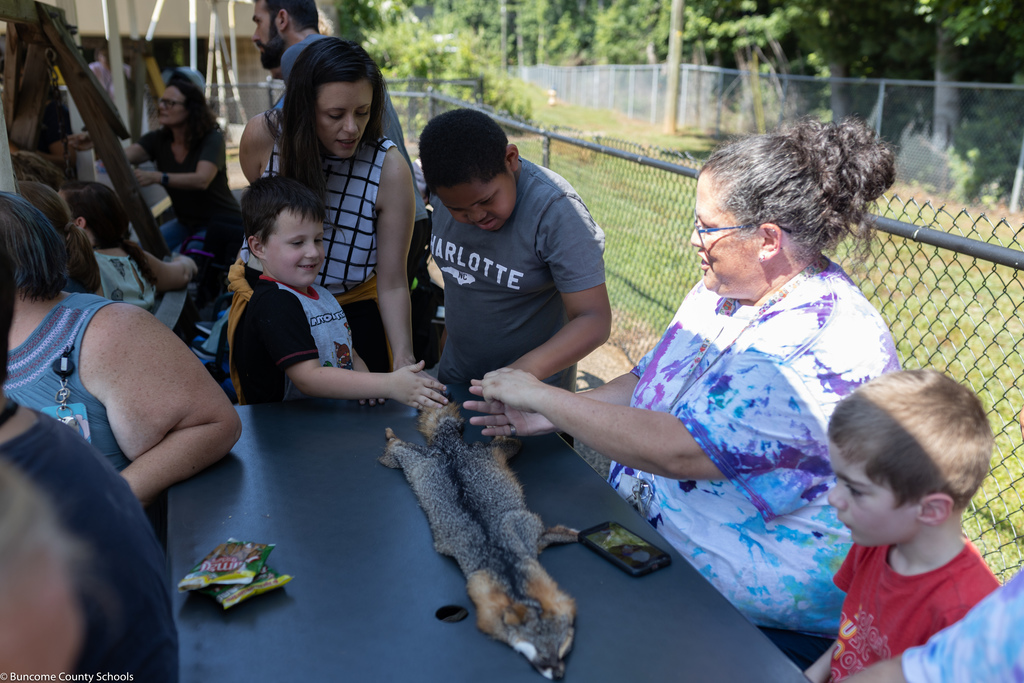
<point>234,562</point>
<point>229,596</point>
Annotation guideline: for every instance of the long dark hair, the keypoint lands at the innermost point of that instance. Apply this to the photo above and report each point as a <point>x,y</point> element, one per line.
<point>328,60</point>
<point>200,119</point>
<point>105,216</point>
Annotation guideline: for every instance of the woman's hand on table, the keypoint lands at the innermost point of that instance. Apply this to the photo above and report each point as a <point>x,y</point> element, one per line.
<point>507,394</point>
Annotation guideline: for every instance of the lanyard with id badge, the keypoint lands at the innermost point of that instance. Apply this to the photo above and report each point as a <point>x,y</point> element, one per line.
<point>73,415</point>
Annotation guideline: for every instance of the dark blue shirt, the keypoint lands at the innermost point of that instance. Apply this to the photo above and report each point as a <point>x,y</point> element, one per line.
<point>123,584</point>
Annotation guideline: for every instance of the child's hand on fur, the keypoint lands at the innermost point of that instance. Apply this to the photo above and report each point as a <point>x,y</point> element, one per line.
<point>415,388</point>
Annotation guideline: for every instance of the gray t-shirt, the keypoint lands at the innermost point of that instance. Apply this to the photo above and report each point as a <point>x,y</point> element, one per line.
<point>502,289</point>
<point>392,127</point>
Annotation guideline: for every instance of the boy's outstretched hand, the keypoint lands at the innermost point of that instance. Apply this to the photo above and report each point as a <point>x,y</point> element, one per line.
<point>415,388</point>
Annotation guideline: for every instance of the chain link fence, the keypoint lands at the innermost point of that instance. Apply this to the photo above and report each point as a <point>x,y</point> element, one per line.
<point>963,140</point>
<point>945,282</point>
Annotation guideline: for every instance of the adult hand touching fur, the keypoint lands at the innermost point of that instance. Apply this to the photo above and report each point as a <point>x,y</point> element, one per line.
<point>506,394</point>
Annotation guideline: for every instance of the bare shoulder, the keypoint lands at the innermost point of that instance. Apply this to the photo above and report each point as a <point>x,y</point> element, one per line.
<point>255,146</point>
<point>122,337</point>
<point>395,169</point>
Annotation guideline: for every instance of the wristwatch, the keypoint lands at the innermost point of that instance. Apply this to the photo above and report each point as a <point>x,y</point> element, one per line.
<point>164,180</point>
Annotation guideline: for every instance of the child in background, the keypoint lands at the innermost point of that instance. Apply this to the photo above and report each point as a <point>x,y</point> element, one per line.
<point>296,341</point>
<point>521,256</point>
<point>909,450</point>
<point>83,271</point>
<point>128,273</point>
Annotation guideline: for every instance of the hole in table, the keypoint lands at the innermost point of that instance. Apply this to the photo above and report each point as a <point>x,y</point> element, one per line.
<point>451,613</point>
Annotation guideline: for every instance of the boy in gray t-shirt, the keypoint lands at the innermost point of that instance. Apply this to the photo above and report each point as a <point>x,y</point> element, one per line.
<point>521,256</point>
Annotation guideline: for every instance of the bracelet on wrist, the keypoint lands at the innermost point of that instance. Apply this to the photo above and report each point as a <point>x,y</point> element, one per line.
<point>164,180</point>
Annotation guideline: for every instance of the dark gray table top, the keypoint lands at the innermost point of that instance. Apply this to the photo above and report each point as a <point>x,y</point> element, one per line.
<point>368,583</point>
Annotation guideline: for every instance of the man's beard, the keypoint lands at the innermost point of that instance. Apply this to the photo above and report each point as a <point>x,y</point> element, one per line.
<point>271,51</point>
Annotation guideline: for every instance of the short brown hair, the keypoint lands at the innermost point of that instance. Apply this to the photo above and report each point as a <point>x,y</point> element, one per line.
<point>916,432</point>
<point>266,198</point>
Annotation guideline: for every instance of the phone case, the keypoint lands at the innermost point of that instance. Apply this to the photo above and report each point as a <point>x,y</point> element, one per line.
<point>626,550</point>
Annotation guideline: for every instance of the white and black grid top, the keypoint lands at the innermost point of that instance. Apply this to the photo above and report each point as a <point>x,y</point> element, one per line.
<point>350,235</point>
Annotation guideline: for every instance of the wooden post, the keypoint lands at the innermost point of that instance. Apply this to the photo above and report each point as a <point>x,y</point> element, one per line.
<point>104,124</point>
<point>7,180</point>
<point>24,101</point>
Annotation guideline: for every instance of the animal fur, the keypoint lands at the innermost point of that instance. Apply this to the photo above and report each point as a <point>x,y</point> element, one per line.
<point>478,516</point>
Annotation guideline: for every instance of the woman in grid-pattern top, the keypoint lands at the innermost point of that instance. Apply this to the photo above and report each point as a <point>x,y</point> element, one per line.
<point>333,113</point>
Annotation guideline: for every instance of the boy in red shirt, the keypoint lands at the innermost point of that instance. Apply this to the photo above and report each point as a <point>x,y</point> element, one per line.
<point>909,450</point>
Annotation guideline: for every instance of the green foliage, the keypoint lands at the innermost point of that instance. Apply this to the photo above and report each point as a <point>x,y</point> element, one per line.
<point>979,20</point>
<point>357,18</point>
<point>442,50</point>
<point>507,94</point>
<point>624,30</point>
<point>881,38</point>
<point>870,38</point>
<point>991,123</point>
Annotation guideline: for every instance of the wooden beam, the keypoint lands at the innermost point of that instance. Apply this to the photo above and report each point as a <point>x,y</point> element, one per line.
<point>14,59</point>
<point>20,11</point>
<point>69,58</point>
<point>138,94</point>
<point>7,180</point>
<point>33,90</point>
<point>104,126</point>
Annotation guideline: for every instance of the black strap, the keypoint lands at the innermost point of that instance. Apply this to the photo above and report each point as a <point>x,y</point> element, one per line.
<point>9,410</point>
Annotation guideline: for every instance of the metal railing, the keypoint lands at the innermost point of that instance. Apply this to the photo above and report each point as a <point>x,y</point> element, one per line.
<point>944,280</point>
<point>965,139</point>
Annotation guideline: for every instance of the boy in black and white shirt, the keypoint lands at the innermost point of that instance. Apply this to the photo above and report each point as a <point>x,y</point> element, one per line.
<point>296,341</point>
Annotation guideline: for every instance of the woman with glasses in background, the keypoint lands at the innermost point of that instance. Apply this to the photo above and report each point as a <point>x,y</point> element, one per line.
<point>719,435</point>
<point>191,164</point>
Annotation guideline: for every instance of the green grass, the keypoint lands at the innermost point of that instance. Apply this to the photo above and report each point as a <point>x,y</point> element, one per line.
<point>604,123</point>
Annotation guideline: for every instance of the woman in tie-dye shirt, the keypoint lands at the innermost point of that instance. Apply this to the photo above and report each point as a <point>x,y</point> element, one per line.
<point>718,436</point>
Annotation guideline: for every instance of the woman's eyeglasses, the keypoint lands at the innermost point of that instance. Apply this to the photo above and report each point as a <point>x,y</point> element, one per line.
<point>170,104</point>
<point>701,230</point>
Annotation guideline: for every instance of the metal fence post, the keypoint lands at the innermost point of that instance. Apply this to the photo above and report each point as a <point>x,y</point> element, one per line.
<point>430,102</point>
<point>611,86</point>
<point>683,91</point>
<point>782,104</point>
<point>881,106</point>
<point>718,111</point>
<point>545,156</point>
<point>654,93</point>
<point>1018,178</point>
<point>632,87</point>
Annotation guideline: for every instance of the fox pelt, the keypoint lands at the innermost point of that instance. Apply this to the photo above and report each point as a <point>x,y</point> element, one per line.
<point>478,516</point>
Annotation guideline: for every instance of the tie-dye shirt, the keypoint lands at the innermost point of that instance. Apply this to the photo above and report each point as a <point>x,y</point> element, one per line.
<point>758,404</point>
<point>983,646</point>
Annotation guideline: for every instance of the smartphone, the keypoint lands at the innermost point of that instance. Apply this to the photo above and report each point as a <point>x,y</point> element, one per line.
<point>624,549</point>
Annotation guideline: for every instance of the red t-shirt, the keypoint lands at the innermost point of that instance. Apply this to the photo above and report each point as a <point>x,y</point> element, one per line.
<point>885,613</point>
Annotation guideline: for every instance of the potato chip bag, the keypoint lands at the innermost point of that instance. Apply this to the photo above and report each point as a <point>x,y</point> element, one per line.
<point>229,596</point>
<point>234,562</point>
